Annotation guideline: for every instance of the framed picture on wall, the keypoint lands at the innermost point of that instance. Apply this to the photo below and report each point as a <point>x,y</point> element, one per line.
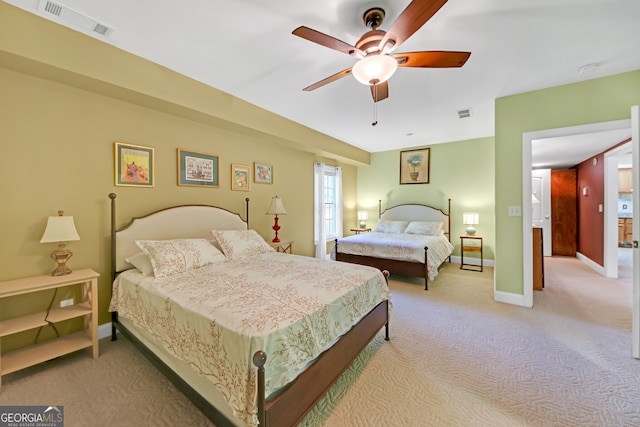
<point>262,173</point>
<point>414,166</point>
<point>134,165</point>
<point>240,177</point>
<point>197,169</point>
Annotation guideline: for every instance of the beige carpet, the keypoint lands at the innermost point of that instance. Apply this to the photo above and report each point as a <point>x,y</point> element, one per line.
<point>456,358</point>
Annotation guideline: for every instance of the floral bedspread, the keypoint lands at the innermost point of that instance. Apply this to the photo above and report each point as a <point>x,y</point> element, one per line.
<point>216,317</point>
<point>399,246</point>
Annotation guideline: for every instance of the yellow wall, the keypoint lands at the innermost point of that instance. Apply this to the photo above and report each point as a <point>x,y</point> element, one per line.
<point>61,116</point>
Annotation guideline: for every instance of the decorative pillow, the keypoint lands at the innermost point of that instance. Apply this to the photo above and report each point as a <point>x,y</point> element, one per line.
<point>142,262</point>
<point>389,226</point>
<point>176,256</point>
<point>241,243</point>
<point>428,228</point>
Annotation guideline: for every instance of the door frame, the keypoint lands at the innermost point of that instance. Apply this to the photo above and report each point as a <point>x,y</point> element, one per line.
<point>527,143</point>
<point>610,207</point>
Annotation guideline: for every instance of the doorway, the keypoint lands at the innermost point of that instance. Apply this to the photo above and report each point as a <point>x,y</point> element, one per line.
<point>527,165</point>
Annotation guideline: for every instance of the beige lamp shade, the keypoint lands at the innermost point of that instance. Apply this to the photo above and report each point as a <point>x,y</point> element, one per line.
<point>276,208</point>
<point>60,229</point>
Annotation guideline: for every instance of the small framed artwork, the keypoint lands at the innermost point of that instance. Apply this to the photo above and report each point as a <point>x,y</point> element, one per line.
<point>134,165</point>
<point>414,166</point>
<point>262,173</point>
<point>197,169</point>
<point>240,177</point>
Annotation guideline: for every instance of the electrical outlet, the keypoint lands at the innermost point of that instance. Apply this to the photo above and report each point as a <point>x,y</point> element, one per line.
<point>66,302</point>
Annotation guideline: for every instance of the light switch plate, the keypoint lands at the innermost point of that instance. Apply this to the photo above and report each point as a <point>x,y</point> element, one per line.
<point>515,211</point>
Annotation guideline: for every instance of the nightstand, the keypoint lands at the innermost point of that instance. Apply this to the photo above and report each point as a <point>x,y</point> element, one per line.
<point>87,308</point>
<point>470,246</point>
<point>361,230</point>
<point>284,246</point>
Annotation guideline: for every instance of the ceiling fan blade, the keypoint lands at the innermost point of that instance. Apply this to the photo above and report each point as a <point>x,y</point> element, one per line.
<point>325,40</point>
<point>328,80</point>
<point>432,59</point>
<point>380,91</point>
<point>410,20</point>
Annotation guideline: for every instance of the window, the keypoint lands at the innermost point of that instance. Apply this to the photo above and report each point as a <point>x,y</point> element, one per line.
<point>327,206</point>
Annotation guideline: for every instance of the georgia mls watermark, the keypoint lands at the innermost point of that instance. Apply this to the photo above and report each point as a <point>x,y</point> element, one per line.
<point>31,416</point>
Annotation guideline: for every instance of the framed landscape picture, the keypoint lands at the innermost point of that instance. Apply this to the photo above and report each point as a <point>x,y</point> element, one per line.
<point>414,166</point>
<point>240,177</point>
<point>262,173</point>
<point>134,165</point>
<point>197,169</point>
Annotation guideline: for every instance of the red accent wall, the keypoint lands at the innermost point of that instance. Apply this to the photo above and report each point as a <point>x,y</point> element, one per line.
<point>590,219</point>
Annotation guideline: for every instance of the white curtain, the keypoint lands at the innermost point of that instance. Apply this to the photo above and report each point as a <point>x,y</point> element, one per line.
<point>321,235</point>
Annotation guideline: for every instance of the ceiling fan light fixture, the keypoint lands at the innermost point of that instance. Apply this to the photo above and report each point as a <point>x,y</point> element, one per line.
<point>374,69</point>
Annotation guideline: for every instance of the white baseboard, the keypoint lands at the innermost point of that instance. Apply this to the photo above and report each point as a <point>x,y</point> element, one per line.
<point>473,261</point>
<point>509,298</point>
<point>104,330</point>
<point>595,266</point>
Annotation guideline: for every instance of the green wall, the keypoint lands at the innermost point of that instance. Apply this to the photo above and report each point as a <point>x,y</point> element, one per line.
<point>61,114</point>
<point>598,100</point>
<point>462,171</point>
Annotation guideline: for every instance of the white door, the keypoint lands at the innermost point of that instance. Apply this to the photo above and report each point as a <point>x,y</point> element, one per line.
<point>635,149</point>
<point>541,205</point>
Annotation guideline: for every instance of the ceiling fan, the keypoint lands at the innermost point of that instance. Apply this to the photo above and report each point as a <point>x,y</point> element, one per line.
<point>377,62</point>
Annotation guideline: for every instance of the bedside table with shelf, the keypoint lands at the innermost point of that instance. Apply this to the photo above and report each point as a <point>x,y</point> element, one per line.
<point>468,247</point>
<point>284,246</point>
<point>47,350</point>
<point>361,230</point>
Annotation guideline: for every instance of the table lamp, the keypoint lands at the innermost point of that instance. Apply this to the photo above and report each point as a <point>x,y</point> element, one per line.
<point>363,216</point>
<point>60,229</point>
<point>276,208</point>
<point>470,219</point>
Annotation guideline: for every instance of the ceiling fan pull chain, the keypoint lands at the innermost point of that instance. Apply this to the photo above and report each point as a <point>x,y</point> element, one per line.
<point>375,106</point>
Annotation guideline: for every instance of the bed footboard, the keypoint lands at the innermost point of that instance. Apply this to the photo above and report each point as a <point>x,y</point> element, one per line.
<point>291,405</point>
<point>406,268</point>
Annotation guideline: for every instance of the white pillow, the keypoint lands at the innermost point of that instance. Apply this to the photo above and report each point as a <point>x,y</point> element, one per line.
<point>241,243</point>
<point>428,228</point>
<point>142,262</point>
<point>179,255</point>
<point>389,226</point>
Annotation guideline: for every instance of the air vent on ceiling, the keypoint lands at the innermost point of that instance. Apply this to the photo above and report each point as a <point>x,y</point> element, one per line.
<point>74,19</point>
<point>463,114</point>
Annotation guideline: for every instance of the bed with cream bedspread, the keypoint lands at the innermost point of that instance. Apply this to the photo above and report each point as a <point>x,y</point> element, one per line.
<point>217,316</point>
<point>400,246</point>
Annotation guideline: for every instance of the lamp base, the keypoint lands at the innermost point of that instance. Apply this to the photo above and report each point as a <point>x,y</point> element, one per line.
<point>470,231</point>
<point>363,224</point>
<point>276,227</point>
<point>61,256</point>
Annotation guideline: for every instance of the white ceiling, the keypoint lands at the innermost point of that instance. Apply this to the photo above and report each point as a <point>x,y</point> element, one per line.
<point>245,48</point>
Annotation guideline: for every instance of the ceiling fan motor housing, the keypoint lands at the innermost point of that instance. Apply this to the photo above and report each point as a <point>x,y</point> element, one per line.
<point>373,17</point>
<point>370,41</point>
